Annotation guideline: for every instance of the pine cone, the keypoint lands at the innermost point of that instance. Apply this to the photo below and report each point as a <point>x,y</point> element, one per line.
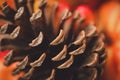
<point>70,50</point>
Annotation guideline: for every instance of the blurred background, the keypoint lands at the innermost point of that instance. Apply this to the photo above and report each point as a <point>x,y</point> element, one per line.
<point>106,16</point>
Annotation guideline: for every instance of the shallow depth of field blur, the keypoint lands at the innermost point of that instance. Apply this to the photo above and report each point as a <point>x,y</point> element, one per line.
<point>106,16</point>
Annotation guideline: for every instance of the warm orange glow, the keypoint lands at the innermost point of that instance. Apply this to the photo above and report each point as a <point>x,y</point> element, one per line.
<point>1,1</point>
<point>112,68</point>
<point>5,72</point>
<point>11,3</point>
<point>109,15</point>
<point>86,12</point>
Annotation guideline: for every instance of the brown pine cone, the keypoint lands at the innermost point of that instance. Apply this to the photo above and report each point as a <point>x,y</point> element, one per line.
<point>66,50</point>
